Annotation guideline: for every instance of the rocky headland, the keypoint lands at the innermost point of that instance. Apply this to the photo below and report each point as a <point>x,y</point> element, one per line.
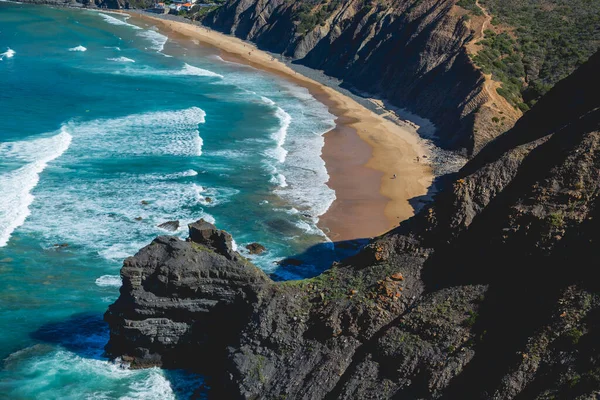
<point>488,293</point>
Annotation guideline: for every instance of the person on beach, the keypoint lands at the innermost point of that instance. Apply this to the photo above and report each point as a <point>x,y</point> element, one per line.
<point>394,177</point>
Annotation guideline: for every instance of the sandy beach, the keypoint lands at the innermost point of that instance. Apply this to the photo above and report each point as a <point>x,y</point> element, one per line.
<point>362,154</point>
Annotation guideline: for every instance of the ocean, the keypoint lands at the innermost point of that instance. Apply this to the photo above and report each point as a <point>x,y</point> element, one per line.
<point>108,129</point>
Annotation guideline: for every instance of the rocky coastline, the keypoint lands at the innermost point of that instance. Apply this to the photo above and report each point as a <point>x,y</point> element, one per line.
<point>487,293</point>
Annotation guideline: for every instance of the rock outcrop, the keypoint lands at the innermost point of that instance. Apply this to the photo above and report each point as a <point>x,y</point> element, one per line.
<point>410,52</point>
<point>181,299</point>
<point>169,226</point>
<point>256,248</point>
<point>489,293</point>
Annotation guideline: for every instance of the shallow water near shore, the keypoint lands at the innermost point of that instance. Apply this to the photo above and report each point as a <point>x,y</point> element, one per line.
<point>108,129</point>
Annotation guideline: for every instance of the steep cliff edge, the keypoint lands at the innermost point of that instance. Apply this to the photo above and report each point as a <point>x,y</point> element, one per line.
<point>490,292</point>
<point>410,52</point>
<point>470,66</point>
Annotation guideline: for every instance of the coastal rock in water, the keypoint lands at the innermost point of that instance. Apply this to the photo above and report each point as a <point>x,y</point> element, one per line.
<point>180,300</point>
<point>256,248</point>
<point>469,299</point>
<point>170,225</point>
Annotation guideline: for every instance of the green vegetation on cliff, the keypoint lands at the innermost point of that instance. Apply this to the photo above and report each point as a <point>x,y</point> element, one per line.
<point>312,13</point>
<point>537,43</point>
<point>470,5</point>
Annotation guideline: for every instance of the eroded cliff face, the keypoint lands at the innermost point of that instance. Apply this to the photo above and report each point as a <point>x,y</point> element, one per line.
<point>490,292</point>
<point>410,52</point>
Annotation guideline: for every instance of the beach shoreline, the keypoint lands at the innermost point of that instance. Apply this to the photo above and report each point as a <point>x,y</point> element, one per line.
<point>362,153</point>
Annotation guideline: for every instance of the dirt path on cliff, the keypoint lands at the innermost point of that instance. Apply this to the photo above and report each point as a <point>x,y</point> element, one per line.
<point>496,114</point>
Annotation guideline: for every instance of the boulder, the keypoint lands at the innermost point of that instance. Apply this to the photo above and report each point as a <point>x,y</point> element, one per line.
<point>256,248</point>
<point>170,225</point>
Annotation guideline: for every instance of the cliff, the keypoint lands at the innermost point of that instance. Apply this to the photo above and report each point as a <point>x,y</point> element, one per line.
<point>412,53</point>
<point>490,292</point>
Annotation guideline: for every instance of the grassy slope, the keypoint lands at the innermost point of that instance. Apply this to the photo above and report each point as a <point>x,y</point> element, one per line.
<point>532,44</point>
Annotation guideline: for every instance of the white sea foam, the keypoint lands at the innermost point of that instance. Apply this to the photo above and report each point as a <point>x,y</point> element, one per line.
<point>121,59</point>
<point>229,154</point>
<point>158,40</point>
<point>195,71</point>
<point>118,251</point>
<point>209,218</point>
<point>303,167</point>
<point>124,208</point>
<point>9,53</point>
<point>101,379</point>
<point>279,136</point>
<point>279,180</point>
<point>16,185</point>
<point>186,70</point>
<point>184,174</point>
<point>116,21</point>
<point>109,281</point>
<point>219,58</point>
<point>162,132</point>
<point>78,48</point>
<point>311,229</point>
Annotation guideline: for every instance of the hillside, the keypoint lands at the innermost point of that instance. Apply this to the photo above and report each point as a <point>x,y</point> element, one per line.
<point>490,292</point>
<point>417,54</point>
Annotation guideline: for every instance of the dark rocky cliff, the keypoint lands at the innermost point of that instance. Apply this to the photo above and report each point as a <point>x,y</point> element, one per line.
<point>410,52</point>
<point>489,293</point>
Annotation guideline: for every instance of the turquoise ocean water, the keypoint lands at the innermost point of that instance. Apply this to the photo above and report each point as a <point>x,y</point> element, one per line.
<point>107,129</point>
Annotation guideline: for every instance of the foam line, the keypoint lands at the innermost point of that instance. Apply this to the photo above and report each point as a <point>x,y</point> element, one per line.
<point>16,185</point>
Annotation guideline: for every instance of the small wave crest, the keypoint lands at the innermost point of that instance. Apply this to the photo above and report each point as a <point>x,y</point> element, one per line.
<point>121,59</point>
<point>16,185</point>
<point>156,39</point>
<point>78,48</point>
<point>186,70</point>
<point>86,369</point>
<point>109,281</point>
<point>279,136</point>
<point>9,53</point>
<point>195,71</point>
<point>116,21</point>
<point>171,132</point>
